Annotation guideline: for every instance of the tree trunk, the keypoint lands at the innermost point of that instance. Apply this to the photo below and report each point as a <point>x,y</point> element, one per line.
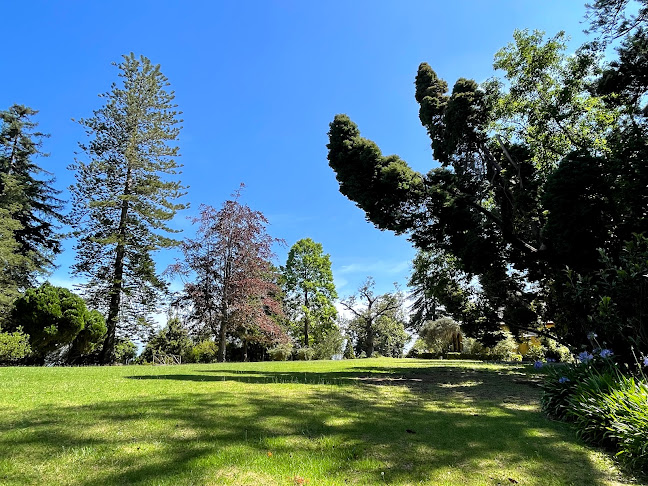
<point>107,355</point>
<point>222,334</point>
<point>370,341</point>
<point>306,320</point>
<point>245,350</point>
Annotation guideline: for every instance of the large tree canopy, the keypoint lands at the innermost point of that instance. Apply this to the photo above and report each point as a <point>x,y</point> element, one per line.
<point>537,171</point>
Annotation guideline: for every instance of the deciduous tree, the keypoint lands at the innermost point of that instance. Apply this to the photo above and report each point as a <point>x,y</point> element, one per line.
<point>378,321</point>
<point>229,282</point>
<point>310,290</point>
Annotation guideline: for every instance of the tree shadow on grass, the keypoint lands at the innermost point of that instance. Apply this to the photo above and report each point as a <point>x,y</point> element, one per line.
<point>444,382</point>
<point>208,433</point>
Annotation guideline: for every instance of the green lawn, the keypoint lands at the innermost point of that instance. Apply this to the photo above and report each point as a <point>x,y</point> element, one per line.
<point>369,421</point>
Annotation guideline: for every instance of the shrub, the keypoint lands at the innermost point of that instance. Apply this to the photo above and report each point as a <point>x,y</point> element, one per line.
<point>125,351</point>
<point>588,407</point>
<point>628,412</point>
<point>557,351</point>
<point>418,348</point>
<point>536,353</point>
<point>505,349</point>
<point>607,407</point>
<point>53,317</point>
<point>305,354</point>
<point>13,346</point>
<point>281,352</point>
<point>476,349</point>
<point>562,381</point>
<point>205,352</point>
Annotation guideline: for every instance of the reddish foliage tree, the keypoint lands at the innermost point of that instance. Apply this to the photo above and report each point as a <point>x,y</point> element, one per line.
<point>233,290</point>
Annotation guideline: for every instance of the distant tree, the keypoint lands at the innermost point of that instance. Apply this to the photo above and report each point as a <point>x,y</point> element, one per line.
<point>29,206</point>
<point>329,344</point>
<point>229,285</point>
<point>310,290</point>
<point>171,339</point>
<point>378,321</point>
<point>125,351</point>
<point>124,198</point>
<point>54,317</point>
<point>441,334</point>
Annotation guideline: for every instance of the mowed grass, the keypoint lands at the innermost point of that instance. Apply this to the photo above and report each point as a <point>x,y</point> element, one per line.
<point>371,421</point>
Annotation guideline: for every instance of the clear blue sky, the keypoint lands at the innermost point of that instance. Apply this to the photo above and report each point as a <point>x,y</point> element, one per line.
<point>258,83</point>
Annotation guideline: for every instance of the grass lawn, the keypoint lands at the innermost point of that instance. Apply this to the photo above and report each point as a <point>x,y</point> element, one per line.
<point>371,421</point>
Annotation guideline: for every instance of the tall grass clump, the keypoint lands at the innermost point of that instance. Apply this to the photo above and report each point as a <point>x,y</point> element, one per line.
<point>607,404</point>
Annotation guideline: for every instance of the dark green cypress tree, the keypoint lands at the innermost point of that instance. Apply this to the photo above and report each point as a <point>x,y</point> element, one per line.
<point>123,198</point>
<point>29,207</point>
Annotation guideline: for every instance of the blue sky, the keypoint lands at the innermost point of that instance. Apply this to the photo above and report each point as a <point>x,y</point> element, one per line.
<point>258,83</point>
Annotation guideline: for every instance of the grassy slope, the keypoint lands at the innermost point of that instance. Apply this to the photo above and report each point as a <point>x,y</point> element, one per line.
<point>327,423</point>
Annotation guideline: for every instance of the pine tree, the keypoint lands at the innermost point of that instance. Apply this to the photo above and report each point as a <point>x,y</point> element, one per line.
<point>29,206</point>
<point>122,199</point>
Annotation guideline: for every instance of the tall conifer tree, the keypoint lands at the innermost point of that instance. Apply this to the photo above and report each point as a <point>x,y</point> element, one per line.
<point>124,199</point>
<point>29,206</point>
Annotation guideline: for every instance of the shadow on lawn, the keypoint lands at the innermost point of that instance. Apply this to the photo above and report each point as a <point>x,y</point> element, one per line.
<point>441,382</point>
<point>405,440</point>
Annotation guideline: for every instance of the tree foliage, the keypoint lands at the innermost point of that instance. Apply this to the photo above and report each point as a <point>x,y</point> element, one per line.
<point>537,171</point>
<point>441,334</point>
<point>55,318</point>
<point>14,346</point>
<point>310,290</point>
<point>173,338</point>
<point>230,286</point>
<point>29,205</point>
<point>124,196</point>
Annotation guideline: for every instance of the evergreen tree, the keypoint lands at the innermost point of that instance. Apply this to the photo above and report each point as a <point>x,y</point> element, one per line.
<point>123,198</point>
<point>310,290</point>
<point>29,206</point>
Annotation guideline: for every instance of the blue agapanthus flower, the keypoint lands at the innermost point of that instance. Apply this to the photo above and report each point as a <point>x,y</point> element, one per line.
<point>538,364</point>
<point>585,357</point>
<point>591,335</point>
<point>606,353</point>
<point>563,379</point>
<point>645,361</point>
